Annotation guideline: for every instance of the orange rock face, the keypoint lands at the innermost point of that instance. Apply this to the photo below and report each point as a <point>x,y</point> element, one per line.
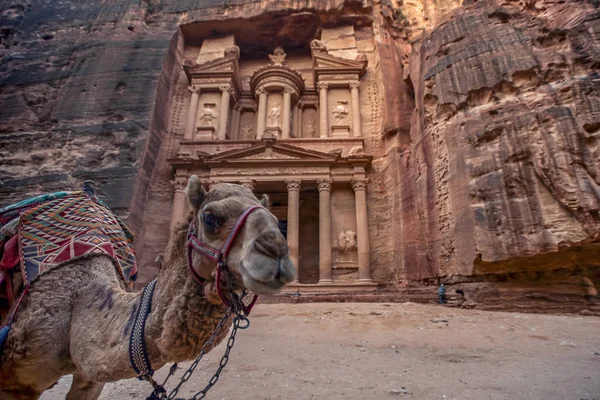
<point>503,163</point>
<point>483,121</point>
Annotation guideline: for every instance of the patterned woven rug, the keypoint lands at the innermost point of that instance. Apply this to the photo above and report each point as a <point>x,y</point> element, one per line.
<point>45,232</point>
<point>61,227</point>
<point>69,228</point>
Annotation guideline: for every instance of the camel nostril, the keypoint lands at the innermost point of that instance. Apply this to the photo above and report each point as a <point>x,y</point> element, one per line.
<point>271,245</point>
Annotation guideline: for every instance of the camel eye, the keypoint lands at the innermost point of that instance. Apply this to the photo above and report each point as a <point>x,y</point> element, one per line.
<point>210,220</point>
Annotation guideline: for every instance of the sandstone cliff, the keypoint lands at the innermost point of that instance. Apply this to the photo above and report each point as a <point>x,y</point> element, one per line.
<point>484,127</point>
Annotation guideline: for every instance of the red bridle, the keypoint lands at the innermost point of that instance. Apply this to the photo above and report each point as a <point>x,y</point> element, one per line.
<point>220,257</point>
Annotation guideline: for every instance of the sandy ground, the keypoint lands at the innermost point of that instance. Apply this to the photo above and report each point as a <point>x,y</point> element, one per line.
<point>397,351</point>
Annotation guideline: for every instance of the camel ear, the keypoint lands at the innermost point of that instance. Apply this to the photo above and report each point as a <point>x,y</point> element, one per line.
<point>266,203</point>
<point>195,192</point>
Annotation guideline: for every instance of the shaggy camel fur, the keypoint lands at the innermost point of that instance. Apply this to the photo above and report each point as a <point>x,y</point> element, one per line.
<point>77,318</point>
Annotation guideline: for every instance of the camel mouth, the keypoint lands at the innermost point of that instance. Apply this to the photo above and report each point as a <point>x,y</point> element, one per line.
<point>269,276</point>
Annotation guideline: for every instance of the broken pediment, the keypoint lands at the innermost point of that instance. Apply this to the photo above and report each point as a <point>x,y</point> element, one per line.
<point>224,67</point>
<point>326,64</point>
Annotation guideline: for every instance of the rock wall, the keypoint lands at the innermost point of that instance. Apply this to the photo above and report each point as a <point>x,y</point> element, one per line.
<point>484,124</point>
<point>501,175</point>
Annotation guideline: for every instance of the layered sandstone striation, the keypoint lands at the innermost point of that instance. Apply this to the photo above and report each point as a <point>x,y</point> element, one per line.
<point>483,118</point>
<point>500,174</point>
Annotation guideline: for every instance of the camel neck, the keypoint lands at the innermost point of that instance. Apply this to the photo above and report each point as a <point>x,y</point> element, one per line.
<point>182,317</point>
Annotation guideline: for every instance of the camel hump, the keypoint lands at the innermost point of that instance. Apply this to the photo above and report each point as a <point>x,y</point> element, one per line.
<point>45,232</point>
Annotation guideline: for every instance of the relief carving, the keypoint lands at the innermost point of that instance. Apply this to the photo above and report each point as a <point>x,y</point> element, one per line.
<point>317,45</point>
<point>274,116</point>
<point>278,56</point>
<point>247,132</point>
<point>209,114</point>
<point>233,50</point>
<point>340,112</point>
<point>356,150</point>
<point>345,247</point>
<point>248,171</point>
<point>346,242</point>
<point>310,127</point>
<point>270,155</point>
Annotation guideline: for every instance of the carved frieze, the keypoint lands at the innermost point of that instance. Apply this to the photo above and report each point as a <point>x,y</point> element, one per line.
<point>248,183</point>
<point>271,171</point>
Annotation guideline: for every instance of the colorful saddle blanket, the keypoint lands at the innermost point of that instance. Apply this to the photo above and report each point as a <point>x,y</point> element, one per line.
<point>45,232</point>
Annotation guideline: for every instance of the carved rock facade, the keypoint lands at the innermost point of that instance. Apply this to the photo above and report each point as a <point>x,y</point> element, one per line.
<point>476,126</point>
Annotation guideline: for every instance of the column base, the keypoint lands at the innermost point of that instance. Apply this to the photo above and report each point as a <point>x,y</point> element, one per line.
<point>328,287</point>
<point>325,281</point>
<point>364,281</point>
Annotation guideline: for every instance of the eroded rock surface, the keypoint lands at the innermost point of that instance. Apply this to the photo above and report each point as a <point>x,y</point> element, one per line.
<point>501,170</point>
<point>483,120</point>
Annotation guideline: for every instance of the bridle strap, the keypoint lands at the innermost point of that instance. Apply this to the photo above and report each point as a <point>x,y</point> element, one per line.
<point>220,256</point>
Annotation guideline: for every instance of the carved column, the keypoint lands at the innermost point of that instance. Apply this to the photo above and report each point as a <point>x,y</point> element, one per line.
<point>356,127</point>
<point>325,275</point>
<point>293,221</point>
<point>295,117</point>
<point>300,116</point>
<point>177,215</point>
<point>190,125</point>
<point>234,133</point>
<point>224,111</point>
<point>248,183</point>
<point>362,227</point>
<point>262,113</point>
<point>323,125</point>
<point>287,107</point>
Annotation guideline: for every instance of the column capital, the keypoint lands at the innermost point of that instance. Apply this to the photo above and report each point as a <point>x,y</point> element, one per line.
<point>194,88</point>
<point>178,185</point>
<point>323,85</point>
<point>288,90</point>
<point>248,183</point>
<point>293,184</point>
<point>324,184</point>
<point>354,84</point>
<point>359,184</point>
<point>226,88</point>
<point>260,91</point>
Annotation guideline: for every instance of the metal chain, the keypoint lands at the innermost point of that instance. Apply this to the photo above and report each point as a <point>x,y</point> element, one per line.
<point>239,322</point>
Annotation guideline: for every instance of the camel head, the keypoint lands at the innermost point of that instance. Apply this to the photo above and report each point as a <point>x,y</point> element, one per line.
<point>259,258</point>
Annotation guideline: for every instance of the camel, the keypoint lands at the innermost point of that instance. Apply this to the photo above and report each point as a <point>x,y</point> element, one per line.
<point>76,319</point>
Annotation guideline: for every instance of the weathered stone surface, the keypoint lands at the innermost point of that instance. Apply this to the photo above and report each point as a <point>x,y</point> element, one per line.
<point>483,120</point>
<point>501,174</point>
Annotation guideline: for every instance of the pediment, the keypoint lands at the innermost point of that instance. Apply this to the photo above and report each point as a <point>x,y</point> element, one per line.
<point>224,67</point>
<point>272,153</point>
<point>328,62</point>
<point>222,64</point>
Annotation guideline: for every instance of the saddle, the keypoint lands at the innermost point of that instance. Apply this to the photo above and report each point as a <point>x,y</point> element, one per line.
<point>40,234</point>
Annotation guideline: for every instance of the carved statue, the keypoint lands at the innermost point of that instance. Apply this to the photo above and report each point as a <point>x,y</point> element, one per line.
<point>278,56</point>
<point>310,127</point>
<point>340,112</point>
<point>209,114</point>
<point>356,150</point>
<point>233,50</point>
<point>274,115</point>
<point>318,45</point>
<point>247,132</point>
<point>346,242</point>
